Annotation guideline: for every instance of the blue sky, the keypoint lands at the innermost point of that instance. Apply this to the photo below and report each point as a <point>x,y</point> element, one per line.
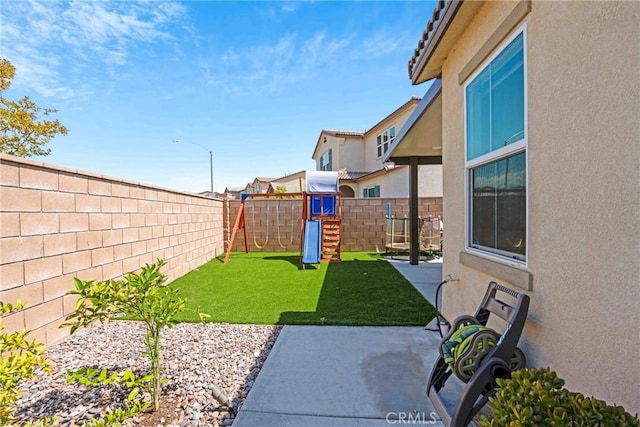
<point>255,82</point>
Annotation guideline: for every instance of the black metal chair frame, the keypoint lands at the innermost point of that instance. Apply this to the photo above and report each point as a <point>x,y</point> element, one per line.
<point>496,364</point>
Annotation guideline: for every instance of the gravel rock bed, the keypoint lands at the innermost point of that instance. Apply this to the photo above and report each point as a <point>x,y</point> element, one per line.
<point>195,358</point>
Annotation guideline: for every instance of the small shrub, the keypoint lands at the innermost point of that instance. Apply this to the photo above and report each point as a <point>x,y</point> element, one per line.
<point>20,359</point>
<point>537,397</point>
<point>134,404</point>
<point>140,296</point>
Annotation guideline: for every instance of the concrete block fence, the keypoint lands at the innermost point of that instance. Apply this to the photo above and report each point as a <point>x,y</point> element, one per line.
<point>57,223</point>
<point>363,222</point>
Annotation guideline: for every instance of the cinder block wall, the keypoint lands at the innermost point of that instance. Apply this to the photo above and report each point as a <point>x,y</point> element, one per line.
<point>57,223</point>
<point>363,222</point>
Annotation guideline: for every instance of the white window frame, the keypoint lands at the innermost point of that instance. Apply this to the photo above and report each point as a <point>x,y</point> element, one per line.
<point>382,145</point>
<point>493,156</point>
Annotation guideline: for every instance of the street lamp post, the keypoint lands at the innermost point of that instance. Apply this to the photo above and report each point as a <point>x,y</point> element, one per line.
<point>177,141</point>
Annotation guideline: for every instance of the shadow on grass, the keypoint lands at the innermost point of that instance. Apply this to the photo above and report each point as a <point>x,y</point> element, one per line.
<point>293,259</point>
<point>364,293</point>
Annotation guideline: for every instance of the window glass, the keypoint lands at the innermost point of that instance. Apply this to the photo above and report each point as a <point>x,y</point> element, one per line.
<point>384,140</point>
<point>496,167</point>
<point>507,96</point>
<point>478,116</point>
<point>499,205</point>
<point>495,102</point>
<point>325,161</point>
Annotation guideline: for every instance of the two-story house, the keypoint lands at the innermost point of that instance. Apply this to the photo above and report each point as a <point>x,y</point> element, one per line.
<point>259,185</point>
<point>358,157</point>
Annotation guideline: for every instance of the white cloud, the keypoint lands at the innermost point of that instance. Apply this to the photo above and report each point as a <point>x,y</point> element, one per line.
<point>289,7</point>
<point>380,45</point>
<point>45,40</point>
<point>270,67</point>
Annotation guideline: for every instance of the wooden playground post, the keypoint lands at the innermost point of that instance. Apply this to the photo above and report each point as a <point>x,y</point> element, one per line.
<point>241,222</point>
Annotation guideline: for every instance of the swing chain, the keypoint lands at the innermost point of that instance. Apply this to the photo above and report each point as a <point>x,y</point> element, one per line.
<point>253,225</point>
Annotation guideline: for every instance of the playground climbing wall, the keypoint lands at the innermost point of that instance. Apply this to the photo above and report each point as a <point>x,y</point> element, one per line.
<point>363,222</point>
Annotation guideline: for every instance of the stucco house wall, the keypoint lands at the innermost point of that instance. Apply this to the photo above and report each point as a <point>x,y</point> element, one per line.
<point>346,152</point>
<point>349,154</point>
<point>371,159</point>
<point>395,183</point>
<point>583,171</point>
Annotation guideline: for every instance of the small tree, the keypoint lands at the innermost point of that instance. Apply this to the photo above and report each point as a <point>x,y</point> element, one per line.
<point>23,132</point>
<point>19,361</point>
<point>140,296</point>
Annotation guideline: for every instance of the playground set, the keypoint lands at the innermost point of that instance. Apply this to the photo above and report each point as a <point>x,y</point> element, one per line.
<point>320,221</point>
<point>397,234</point>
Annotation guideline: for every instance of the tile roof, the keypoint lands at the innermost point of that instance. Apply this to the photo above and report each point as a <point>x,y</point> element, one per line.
<point>343,133</point>
<point>351,175</point>
<point>431,25</point>
<point>355,176</point>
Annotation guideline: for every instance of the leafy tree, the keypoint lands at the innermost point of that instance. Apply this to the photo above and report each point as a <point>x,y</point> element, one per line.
<point>23,130</point>
<point>139,296</point>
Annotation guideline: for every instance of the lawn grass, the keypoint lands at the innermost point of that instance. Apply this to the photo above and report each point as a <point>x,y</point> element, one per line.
<point>270,288</point>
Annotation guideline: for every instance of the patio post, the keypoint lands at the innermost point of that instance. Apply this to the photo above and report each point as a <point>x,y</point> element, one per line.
<point>414,241</point>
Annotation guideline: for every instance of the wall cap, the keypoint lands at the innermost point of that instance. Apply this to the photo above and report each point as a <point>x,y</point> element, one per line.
<point>7,158</point>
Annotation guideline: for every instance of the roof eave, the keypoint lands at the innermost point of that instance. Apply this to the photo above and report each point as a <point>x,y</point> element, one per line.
<point>430,108</point>
<point>410,103</point>
<point>428,65</point>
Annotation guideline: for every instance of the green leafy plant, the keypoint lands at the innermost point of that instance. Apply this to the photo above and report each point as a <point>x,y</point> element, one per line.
<point>140,296</point>
<point>24,130</point>
<point>537,397</point>
<point>20,360</point>
<point>134,404</point>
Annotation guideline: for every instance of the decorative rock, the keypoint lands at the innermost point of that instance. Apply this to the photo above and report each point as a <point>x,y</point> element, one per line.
<point>196,359</point>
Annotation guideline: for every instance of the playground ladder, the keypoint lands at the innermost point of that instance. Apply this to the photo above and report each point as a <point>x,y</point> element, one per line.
<point>331,236</point>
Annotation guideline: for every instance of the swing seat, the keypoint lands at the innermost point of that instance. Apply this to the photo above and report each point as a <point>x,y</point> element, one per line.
<point>486,357</point>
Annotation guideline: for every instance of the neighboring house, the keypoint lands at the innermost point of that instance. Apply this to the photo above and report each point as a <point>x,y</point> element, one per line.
<point>258,185</point>
<point>540,129</point>
<point>358,157</point>
<point>291,183</point>
<point>233,192</point>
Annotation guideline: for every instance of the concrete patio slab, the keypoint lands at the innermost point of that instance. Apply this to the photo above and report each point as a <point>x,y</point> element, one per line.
<point>344,376</point>
<point>425,277</point>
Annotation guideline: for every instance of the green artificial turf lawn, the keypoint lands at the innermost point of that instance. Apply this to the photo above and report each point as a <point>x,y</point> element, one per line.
<point>270,288</point>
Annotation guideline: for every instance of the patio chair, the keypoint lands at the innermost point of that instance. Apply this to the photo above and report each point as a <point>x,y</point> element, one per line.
<point>485,357</point>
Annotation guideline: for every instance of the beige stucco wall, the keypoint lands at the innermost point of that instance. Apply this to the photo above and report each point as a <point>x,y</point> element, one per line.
<point>347,153</point>
<point>583,191</point>
<point>371,159</point>
<point>395,183</point>
<point>350,155</point>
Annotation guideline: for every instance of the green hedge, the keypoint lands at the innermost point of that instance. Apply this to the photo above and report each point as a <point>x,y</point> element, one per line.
<point>537,397</point>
